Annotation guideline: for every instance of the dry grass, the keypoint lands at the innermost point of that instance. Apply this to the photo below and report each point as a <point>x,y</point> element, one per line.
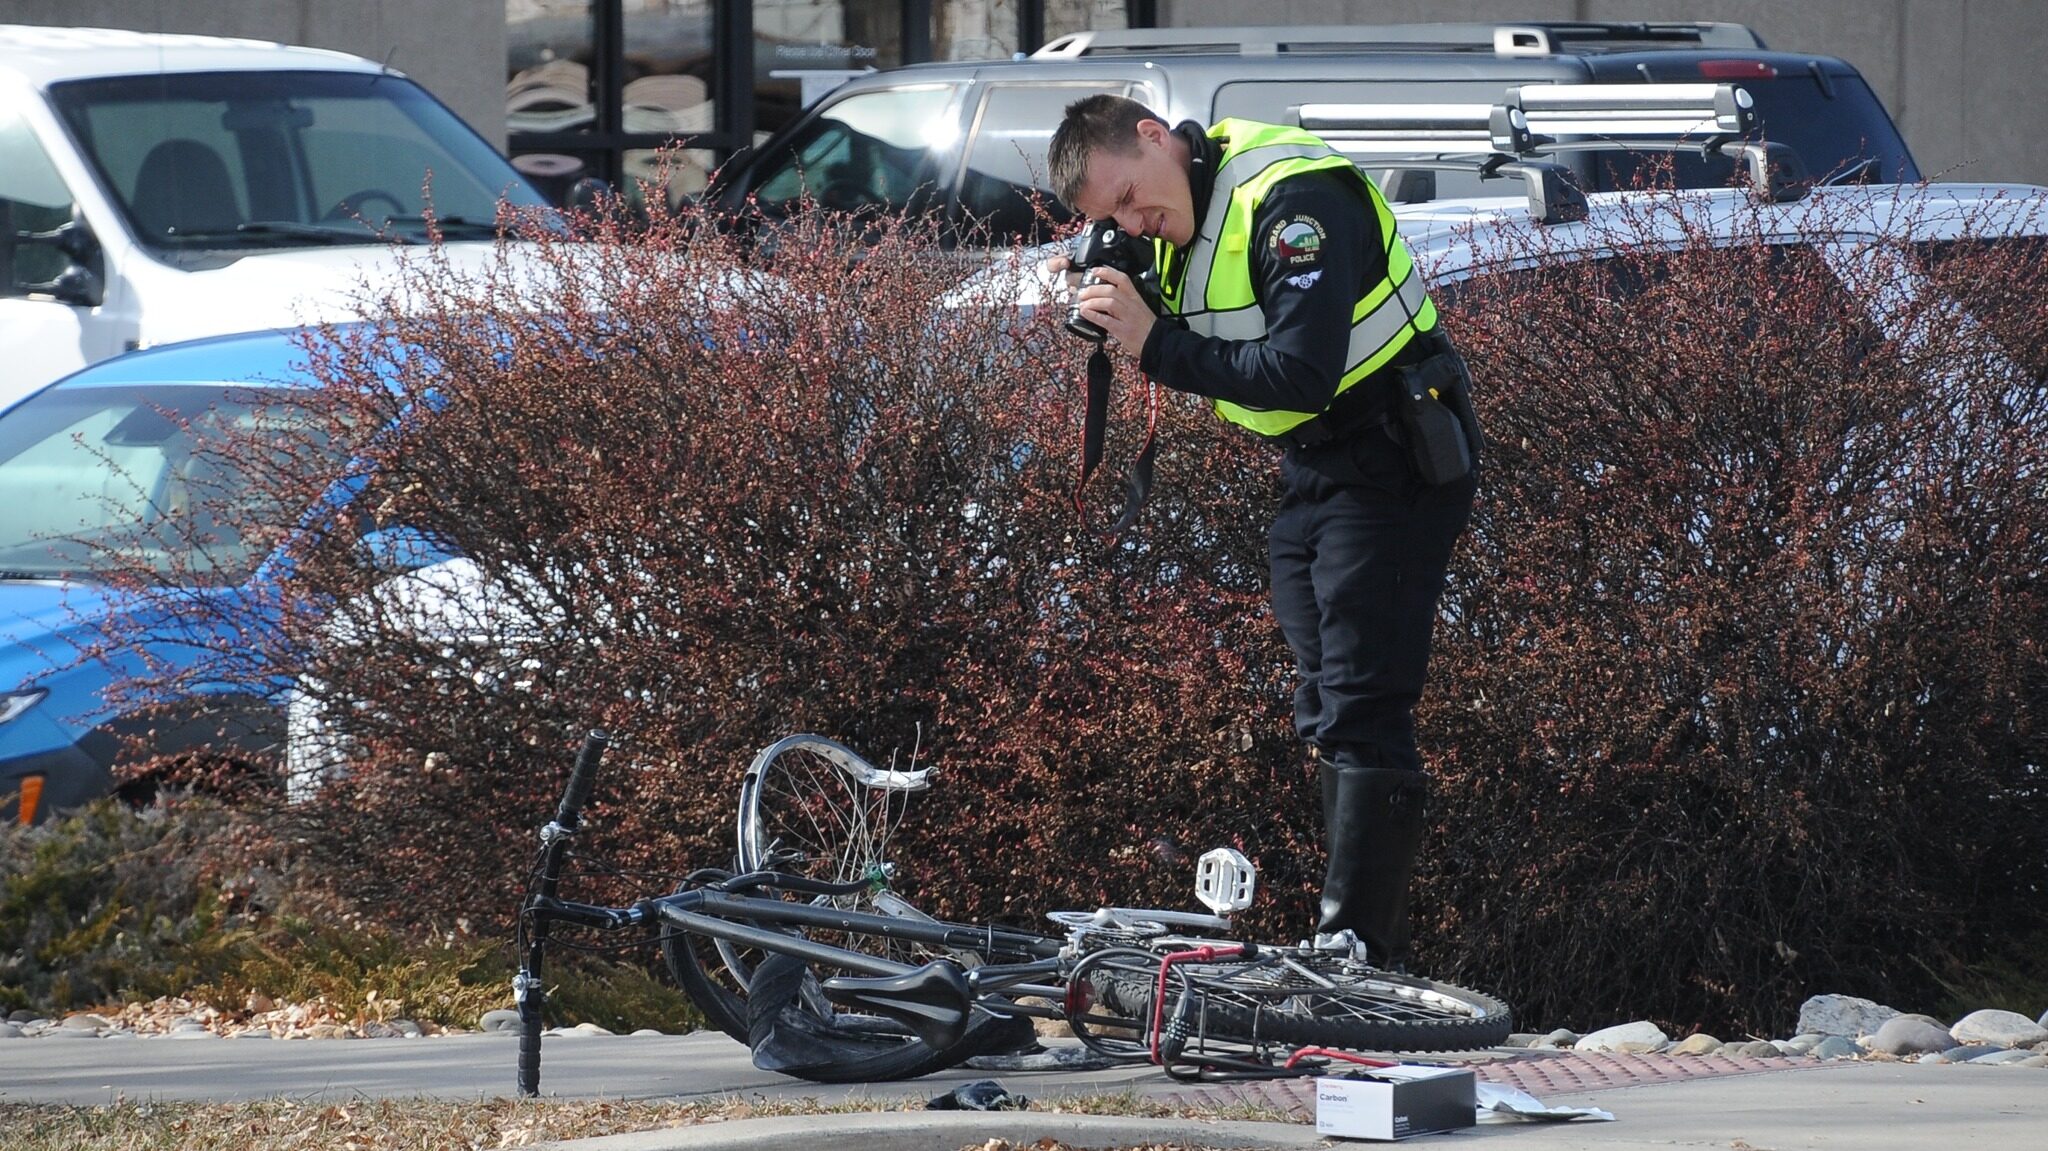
<point>440,1125</point>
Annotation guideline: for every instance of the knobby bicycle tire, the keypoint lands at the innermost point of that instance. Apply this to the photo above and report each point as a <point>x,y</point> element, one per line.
<point>715,991</point>
<point>840,1051</point>
<point>1280,997</point>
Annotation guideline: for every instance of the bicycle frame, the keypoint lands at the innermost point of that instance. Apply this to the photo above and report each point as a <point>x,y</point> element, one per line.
<point>729,918</point>
<point>936,1001</point>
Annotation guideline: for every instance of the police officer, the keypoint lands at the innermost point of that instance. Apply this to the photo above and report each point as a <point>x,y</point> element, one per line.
<point>1297,312</point>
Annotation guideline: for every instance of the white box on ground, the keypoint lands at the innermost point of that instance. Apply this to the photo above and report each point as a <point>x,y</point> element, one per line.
<point>1396,1102</point>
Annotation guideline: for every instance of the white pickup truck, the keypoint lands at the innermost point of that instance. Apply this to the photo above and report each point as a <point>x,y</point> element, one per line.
<point>156,188</point>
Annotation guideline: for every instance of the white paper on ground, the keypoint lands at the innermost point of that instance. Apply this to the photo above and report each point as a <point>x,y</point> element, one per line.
<point>1514,1103</point>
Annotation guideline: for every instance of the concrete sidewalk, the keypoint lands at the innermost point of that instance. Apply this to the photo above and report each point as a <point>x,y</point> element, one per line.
<point>1853,1106</point>
<point>1771,1105</point>
<point>702,1066</point>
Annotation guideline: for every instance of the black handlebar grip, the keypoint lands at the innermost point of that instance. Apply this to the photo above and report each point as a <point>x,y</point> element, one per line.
<point>529,1042</point>
<point>582,778</point>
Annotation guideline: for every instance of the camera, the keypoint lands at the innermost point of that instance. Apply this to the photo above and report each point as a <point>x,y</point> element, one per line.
<point>1104,245</point>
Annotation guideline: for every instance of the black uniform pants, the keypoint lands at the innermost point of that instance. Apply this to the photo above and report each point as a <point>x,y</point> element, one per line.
<point>1358,552</point>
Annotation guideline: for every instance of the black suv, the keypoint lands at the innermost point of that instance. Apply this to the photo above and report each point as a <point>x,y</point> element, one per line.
<point>968,139</point>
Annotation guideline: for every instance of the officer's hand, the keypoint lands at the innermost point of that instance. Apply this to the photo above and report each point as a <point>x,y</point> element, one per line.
<point>1055,265</point>
<point>1113,304</point>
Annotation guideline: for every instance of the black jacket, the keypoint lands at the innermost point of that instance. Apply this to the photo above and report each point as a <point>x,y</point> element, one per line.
<point>1307,301</point>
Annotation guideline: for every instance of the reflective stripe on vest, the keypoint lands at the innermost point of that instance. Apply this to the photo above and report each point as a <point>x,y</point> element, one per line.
<point>1216,293</point>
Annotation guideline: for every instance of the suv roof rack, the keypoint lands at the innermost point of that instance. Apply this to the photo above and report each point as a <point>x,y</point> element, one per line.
<point>1537,38</point>
<point>1511,138</point>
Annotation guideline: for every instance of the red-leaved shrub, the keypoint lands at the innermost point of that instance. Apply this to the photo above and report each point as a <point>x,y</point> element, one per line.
<point>1736,694</point>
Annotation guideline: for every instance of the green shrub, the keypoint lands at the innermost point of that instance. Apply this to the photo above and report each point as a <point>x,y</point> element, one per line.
<point>109,904</point>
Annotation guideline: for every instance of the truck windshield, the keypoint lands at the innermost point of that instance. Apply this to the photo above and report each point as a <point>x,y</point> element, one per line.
<point>245,160</point>
<point>1841,135</point>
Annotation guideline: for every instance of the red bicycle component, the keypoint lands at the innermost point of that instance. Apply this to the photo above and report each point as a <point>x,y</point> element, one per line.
<point>1201,954</point>
<point>1328,1053</point>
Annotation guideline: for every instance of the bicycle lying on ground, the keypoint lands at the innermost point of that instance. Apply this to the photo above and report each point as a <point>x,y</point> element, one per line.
<point>803,952</point>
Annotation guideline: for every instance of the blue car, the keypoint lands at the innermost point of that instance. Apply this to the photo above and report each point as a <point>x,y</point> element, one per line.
<point>98,465</point>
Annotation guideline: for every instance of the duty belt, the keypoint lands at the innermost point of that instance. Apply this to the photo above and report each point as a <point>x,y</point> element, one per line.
<point>1354,411</point>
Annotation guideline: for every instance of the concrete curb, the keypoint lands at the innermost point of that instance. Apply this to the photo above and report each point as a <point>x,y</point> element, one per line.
<point>948,1131</point>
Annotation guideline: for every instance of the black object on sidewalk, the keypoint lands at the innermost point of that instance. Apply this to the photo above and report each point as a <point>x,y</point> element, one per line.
<point>980,1095</point>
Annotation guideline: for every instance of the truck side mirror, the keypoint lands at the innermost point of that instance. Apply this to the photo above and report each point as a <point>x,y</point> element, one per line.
<point>79,282</point>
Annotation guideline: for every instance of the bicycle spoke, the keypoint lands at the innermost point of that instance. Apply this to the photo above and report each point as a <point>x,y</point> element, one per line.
<point>817,810</point>
<point>811,813</point>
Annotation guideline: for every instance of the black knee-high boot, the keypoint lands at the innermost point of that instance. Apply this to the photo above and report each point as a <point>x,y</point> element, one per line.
<point>1372,823</point>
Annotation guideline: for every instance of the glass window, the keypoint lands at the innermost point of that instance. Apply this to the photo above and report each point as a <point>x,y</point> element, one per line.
<point>1005,175</point>
<point>33,198</point>
<point>1064,16</point>
<point>210,161</point>
<point>554,173</point>
<point>549,48</point>
<point>1842,135</point>
<point>870,150</point>
<point>975,29</point>
<point>671,73</point>
<point>1279,102</point>
<point>128,476</point>
<point>671,67</point>
<point>666,175</point>
<point>805,48</point>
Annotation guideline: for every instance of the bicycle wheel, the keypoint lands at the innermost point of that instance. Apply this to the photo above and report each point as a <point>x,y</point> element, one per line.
<point>814,807</point>
<point>700,967</point>
<point>1285,995</point>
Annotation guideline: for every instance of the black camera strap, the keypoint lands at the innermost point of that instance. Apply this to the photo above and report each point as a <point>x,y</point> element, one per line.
<point>1094,428</point>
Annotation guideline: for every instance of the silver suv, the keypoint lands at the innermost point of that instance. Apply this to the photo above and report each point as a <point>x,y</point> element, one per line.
<point>967,140</point>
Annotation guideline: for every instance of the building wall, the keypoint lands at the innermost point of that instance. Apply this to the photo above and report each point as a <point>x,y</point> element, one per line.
<point>454,48</point>
<point>1964,79</point>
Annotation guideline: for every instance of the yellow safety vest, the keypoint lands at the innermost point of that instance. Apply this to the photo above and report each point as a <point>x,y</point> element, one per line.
<point>1216,295</point>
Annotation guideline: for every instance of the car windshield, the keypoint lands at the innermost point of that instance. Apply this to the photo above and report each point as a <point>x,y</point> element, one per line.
<point>132,479</point>
<point>213,161</point>
<point>869,150</point>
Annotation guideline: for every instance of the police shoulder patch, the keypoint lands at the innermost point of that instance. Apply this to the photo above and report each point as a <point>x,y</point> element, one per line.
<point>1296,240</point>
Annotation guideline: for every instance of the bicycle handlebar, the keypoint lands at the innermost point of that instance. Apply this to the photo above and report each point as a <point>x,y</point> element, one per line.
<point>582,778</point>
<point>529,1046</point>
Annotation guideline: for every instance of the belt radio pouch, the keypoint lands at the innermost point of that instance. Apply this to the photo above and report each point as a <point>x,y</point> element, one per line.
<point>1437,420</point>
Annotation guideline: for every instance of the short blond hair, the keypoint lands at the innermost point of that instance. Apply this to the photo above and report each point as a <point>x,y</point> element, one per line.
<point>1098,123</point>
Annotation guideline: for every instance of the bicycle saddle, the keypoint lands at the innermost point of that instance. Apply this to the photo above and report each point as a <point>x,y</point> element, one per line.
<point>933,1001</point>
